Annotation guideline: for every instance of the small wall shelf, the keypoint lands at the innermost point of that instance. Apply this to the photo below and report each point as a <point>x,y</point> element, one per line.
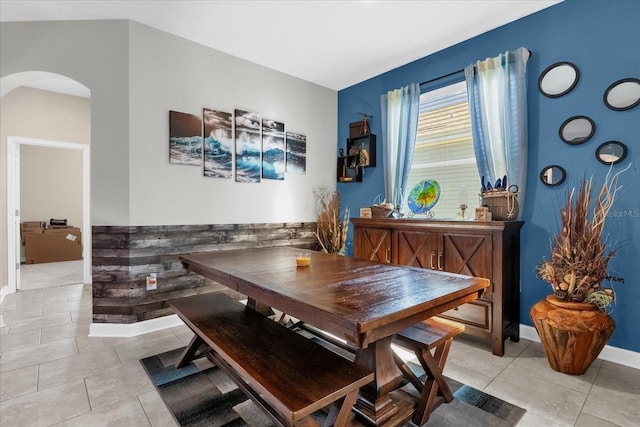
<point>348,169</point>
<point>366,144</point>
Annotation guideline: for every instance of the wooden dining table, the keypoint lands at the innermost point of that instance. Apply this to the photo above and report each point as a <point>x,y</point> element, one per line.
<point>359,301</point>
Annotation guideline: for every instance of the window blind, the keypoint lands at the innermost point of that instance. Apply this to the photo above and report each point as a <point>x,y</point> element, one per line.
<point>444,150</point>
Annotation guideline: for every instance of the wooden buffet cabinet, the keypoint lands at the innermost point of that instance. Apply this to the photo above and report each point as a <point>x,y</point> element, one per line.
<point>481,249</point>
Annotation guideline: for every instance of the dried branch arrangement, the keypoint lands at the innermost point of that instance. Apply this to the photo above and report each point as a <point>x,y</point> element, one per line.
<point>579,257</point>
<point>331,230</point>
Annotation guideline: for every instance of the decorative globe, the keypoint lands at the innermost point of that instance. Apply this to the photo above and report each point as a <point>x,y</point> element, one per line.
<point>424,196</point>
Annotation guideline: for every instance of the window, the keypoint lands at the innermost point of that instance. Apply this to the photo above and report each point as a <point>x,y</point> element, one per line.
<point>444,151</point>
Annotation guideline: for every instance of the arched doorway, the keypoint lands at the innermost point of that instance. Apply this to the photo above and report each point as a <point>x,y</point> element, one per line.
<point>17,138</point>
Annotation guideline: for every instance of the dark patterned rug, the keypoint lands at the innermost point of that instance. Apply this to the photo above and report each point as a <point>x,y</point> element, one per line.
<point>200,394</point>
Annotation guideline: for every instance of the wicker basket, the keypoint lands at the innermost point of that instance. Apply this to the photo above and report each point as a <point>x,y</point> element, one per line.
<point>503,204</point>
<point>380,212</point>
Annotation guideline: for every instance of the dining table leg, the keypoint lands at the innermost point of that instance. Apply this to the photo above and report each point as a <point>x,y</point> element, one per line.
<point>375,406</point>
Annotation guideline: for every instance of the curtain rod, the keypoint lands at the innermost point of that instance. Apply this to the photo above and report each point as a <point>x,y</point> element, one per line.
<point>453,73</point>
<point>442,77</point>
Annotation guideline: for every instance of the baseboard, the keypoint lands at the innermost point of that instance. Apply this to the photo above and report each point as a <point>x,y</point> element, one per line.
<point>4,291</point>
<point>133,329</point>
<point>609,353</point>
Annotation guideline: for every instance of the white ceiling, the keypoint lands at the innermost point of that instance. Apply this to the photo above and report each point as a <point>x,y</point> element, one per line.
<point>335,44</point>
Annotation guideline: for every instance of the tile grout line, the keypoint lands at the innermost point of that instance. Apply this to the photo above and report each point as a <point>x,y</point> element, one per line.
<point>86,391</point>
<point>505,367</point>
<point>587,395</point>
<point>144,410</point>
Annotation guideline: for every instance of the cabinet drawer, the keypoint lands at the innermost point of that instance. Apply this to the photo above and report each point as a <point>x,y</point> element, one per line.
<point>477,313</point>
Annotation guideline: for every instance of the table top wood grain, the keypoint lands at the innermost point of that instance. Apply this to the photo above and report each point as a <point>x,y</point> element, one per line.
<point>359,300</point>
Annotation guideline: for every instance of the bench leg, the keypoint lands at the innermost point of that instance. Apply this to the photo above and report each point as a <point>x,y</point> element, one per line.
<point>259,307</point>
<point>189,352</point>
<point>296,325</point>
<point>408,373</point>
<point>435,383</point>
<point>340,411</point>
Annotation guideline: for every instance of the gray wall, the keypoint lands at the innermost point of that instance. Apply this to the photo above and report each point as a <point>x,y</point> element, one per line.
<point>170,73</point>
<point>95,53</point>
<point>136,74</point>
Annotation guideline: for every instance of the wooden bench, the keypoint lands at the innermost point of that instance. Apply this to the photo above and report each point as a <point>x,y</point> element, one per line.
<point>436,334</point>
<point>422,338</point>
<point>285,374</point>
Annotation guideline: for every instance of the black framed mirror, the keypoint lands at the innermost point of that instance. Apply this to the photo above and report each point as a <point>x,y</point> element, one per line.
<point>553,175</point>
<point>611,152</point>
<point>558,79</point>
<point>577,130</point>
<point>623,94</point>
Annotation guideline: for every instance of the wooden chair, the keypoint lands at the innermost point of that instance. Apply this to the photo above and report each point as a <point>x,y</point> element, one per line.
<point>431,334</point>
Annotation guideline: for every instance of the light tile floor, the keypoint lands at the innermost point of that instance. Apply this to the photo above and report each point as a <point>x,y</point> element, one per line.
<point>52,373</point>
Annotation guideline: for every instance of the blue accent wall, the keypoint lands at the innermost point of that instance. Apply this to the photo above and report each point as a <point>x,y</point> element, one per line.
<point>601,37</point>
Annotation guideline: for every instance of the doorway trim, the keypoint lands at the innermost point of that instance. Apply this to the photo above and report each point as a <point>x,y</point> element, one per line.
<point>13,194</point>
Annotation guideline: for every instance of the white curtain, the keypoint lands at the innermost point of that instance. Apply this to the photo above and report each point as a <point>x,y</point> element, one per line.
<point>497,90</point>
<point>400,110</point>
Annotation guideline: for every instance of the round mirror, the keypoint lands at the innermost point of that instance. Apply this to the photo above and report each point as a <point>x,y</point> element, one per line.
<point>558,79</point>
<point>577,130</point>
<point>553,175</point>
<point>623,94</point>
<point>611,152</point>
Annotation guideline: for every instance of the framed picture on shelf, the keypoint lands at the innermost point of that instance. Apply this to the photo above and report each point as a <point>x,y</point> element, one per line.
<point>483,214</point>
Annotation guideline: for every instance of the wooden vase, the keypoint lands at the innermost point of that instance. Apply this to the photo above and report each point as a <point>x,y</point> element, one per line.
<point>572,333</point>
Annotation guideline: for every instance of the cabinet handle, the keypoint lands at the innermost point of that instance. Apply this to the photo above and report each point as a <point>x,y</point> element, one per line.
<point>440,261</point>
<point>433,254</point>
<point>388,254</point>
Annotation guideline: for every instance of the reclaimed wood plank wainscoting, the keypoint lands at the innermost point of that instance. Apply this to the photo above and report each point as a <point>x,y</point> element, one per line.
<point>123,257</point>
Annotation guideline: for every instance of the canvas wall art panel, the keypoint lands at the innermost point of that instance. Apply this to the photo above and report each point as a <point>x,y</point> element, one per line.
<point>296,153</point>
<point>248,146</point>
<point>273,150</point>
<point>185,139</point>
<point>218,143</point>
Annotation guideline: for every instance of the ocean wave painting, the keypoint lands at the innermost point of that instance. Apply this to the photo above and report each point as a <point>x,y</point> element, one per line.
<point>218,144</point>
<point>273,150</point>
<point>185,139</point>
<point>296,153</point>
<point>248,146</point>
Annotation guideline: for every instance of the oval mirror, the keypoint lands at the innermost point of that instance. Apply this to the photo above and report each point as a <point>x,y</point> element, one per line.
<point>553,175</point>
<point>623,94</point>
<point>577,130</point>
<point>611,152</point>
<point>558,79</point>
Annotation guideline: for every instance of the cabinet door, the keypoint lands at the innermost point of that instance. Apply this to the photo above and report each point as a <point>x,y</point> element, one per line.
<point>469,254</point>
<point>373,244</point>
<point>418,249</point>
